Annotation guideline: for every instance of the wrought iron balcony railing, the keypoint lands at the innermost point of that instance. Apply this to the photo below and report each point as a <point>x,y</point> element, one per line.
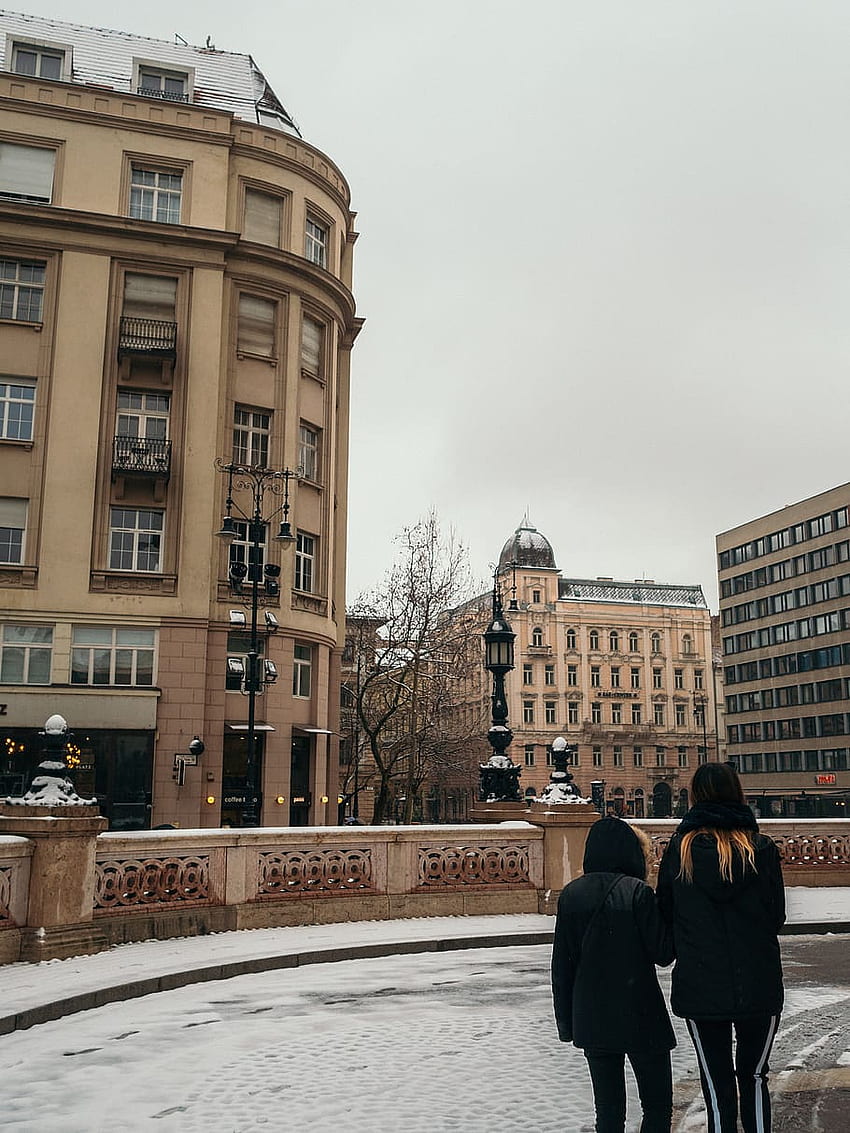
<point>151,337</point>
<point>156,92</point>
<point>141,456</point>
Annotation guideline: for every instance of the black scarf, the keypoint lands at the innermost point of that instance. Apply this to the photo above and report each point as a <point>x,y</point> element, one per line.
<point>719,816</point>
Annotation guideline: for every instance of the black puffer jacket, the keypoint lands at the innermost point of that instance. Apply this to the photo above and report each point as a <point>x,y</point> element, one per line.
<point>605,989</point>
<point>725,933</point>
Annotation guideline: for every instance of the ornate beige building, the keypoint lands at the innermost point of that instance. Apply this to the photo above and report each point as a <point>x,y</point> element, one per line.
<point>175,287</point>
<point>623,670</point>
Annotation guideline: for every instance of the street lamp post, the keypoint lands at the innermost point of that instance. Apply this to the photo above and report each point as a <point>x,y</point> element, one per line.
<point>700,705</point>
<point>254,676</point>
<point>499,776</point>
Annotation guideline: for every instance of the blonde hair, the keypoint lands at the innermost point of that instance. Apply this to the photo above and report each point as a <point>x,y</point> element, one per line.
<point>728,842</point>
<point>646,846</point>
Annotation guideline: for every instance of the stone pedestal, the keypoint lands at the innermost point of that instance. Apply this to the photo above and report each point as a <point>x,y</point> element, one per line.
<point>565,833</point>
<point>59,918</point>
<point>499,812</point>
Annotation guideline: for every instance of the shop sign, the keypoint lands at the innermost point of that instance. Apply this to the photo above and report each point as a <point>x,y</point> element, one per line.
<point>827,780</point>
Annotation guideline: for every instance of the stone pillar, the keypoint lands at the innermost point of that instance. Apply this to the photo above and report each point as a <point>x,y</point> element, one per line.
<point>565,830</point>
<point>60,910</point>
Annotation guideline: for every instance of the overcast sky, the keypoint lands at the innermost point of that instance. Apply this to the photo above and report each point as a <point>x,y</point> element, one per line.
<point>603,261</point>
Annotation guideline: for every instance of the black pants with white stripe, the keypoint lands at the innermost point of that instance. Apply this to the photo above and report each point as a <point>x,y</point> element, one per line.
<point>724,1082</point>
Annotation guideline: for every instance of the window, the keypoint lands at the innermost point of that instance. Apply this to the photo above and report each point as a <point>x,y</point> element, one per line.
<point>635,678</point>
<point>242,550</point>
<point>26,173</point>
<point>596,713</point>
<point>660,757</point>
<point>535,596</point>
<point>549,675</point>
<point>571,639</point>
<point>572,676</point>
<point>595,676</point>
<point>302,670</point>
<point>687,644</point>
<point>156,83</point>
<point>616,713</point>
<point>637,756</point>
<point>572,712</point>
<point>618,755</point>
<point>657,678</point>
<point>106,655</point>
<point>655,643</point>
<point>680,715</point>
<point>17,403</point>
<point>143,415</point>
<point>682,753</point>
<point>698,678</point>
<point>597,757</point>
<point>308,452</point>
<point>633,643</point>
<point>155,194</point>
<point>13,526</point>
<point>528,674</point>
<point>38,62</point>
<point>528,712</point>
<point>658,715</point>
<point>135,539</point>
<point>148,315</point>
<point>251,430</point>
<point>537,638</point>
<point>594,639</point>
<point>262,219</point>
<point>256,326</point>
<point>615,676</point>
<point>25,654</point>
<point>316,242</point>
<point>549,711</point>
<point>613,641</point>
<point>305,557</point>
<point>678,678</point>
<point>636,714</point>
<point>312,347</point>
<point>529,755</point>
<point>22,290</point>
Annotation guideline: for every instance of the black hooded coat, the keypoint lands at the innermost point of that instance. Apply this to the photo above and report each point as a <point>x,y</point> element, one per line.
<point>725,933</point>
<point>608,938</point>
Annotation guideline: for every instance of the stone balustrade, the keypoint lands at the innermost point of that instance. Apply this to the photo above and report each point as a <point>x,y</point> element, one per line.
<point>67,888</point>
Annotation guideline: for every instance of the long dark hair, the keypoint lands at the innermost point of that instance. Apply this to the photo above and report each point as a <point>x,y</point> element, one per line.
<point>718,783</point>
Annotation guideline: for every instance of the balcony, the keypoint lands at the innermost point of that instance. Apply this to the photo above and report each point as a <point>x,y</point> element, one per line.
<point>140,456</point>
<point>156,92</point>
<point>149,338</point>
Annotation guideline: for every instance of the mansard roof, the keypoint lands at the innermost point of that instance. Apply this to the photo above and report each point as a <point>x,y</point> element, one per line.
<point>640,592</point>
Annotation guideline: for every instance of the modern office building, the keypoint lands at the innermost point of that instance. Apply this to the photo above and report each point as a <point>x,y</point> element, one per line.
<point>785,613</point>
<point>175,288</point>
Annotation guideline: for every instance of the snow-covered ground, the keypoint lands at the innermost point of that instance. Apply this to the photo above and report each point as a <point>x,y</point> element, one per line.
<point>457,1040</point>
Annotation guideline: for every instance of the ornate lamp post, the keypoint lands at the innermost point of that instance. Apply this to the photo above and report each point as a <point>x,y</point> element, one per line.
<point>499,776</point>
<point>700,705</point>
<point>254,677</point>
<point>561,788</point>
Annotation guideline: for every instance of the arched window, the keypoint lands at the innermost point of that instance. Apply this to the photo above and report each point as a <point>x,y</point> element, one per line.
<point>594,639</point>
<point>613,641</point>
<point>571,639</point>
<point>639,802</point>
<point>656,643</point>
<point>687,644</point>
<point>633,642</point>
<point>537,637</point>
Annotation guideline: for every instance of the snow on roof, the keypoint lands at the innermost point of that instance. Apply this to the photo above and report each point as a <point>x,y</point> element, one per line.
<point>222,80</point>
<point>639,593</point>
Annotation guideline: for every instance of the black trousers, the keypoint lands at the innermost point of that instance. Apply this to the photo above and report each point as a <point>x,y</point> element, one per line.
<point>724,1082</point>
<point>655,1089</point>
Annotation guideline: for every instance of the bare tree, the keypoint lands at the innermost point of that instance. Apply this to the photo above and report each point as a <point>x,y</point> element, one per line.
<point>412,652</point>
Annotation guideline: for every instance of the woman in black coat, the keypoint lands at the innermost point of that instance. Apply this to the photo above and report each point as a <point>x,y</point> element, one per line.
<point>720,889</point>
<point>608,939</point>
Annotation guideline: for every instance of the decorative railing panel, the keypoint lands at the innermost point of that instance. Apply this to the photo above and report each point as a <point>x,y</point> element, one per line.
<point>141,455</point>
<point>331,870</point>
<point>459,867</point>
<point>803,851</point>
<point>151,882</point>
<point>147,336</point>
<point>6,920</point>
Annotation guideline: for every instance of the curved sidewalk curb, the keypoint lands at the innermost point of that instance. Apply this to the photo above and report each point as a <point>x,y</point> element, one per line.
<point>134,989</point>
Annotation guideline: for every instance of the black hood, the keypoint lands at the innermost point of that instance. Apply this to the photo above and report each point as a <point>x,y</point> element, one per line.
<point>719,816</point>
<point>613,847</point>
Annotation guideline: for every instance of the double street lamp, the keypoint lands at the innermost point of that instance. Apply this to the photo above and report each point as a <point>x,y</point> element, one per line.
<point>700,705</point>
<point>499,776</point>
<point>254,673</point>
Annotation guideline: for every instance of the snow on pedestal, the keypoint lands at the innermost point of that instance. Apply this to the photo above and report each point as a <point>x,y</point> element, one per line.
<point>51,786</point>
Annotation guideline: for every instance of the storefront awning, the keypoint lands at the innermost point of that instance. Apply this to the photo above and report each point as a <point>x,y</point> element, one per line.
<point>244,727</point>
<point>299,731</point>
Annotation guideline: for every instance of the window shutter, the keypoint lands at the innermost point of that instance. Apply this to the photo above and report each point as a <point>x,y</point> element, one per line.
<point>256,325</point>
<point>311,345</point>
<point>150,297</point>
<point>26,171</point>
<point>13,512</point>
<point>262,218</point>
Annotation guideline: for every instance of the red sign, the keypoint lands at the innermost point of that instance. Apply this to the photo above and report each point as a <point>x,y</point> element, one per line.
<point>825,780</point>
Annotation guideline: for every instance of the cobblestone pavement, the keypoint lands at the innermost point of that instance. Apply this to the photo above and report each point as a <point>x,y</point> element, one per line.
<point>459,1041</point>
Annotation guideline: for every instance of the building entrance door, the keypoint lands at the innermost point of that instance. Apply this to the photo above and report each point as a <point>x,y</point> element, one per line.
<point>662,800</point>
<point>241,788</point>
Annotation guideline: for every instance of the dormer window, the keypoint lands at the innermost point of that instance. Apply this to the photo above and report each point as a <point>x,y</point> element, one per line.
<point>38,62</point>
<point>156,83</point>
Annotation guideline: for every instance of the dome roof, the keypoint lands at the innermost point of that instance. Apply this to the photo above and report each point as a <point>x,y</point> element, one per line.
<point>528,548</point>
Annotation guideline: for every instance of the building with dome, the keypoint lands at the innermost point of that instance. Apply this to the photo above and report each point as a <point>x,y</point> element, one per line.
<point>175,288</point>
